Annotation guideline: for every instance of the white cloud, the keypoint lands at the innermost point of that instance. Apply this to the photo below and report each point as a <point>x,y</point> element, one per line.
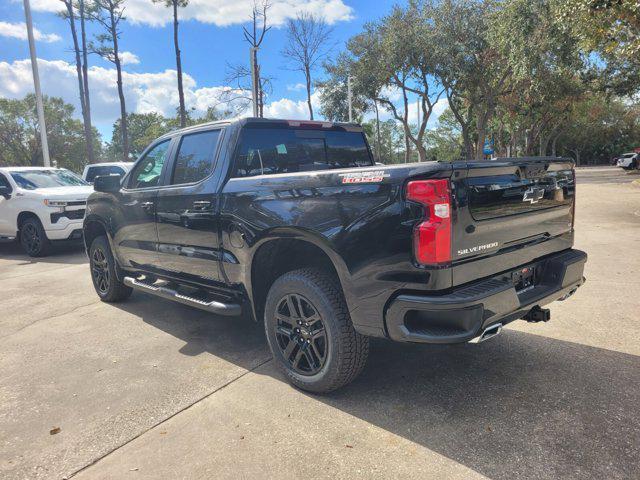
<point>129,58</point>
<point>293,109</point>
<point>298,87</point>
<point>144,92</point>
<point>19,31</point>
<point>45,5</point>
<point>220,12</point>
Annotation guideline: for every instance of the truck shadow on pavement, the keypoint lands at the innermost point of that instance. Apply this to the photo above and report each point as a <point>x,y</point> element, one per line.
<point>68,253</point>
<point>518,406</point>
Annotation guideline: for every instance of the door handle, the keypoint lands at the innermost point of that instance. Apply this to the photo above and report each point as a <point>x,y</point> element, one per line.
<point>201,204</point>
<point>147,206</point>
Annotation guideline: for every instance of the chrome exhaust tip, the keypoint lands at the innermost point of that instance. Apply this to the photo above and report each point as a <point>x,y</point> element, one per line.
<point>489,332</point>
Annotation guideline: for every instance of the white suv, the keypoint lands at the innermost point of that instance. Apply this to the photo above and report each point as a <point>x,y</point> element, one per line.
<point>38,205</point>
<point>629,161</point>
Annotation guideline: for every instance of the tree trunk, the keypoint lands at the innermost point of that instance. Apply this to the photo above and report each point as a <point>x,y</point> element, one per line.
<point>79,72</point>
<point>88,130</point>
<point>422,152</point>
<point>378,152</point>
<point>481,137</point>
<point>553,146</point>
<point>183,116</point>
<point>260,91</point>
<point>544,145</point>
<point>307,75</point>
<point>468,144</point>
<point>123,108</point>
<point>407,146</point>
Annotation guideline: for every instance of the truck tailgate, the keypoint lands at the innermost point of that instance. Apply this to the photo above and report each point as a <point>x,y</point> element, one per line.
<point>510,212</point>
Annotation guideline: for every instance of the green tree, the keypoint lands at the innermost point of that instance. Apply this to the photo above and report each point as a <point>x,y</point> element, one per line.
<point>445,142</point>
<point>143,129</point>
<point>399,55</point>
<point>472,71</point>
<point>333,92</point>
<point>543,62</point>
<point>610,29</point>
<point>20,140</point>
<point>600,128</point>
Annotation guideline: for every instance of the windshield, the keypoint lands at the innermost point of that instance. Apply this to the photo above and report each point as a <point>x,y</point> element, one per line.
<point>33,179</point>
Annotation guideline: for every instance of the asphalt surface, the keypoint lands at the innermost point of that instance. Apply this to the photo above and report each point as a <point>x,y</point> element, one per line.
<point>149,389</point>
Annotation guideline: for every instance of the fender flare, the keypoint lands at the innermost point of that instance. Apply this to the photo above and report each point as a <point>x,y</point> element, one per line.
<point>303,235</point>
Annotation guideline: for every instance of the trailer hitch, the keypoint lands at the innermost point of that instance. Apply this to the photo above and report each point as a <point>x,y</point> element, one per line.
<point>537,314</point>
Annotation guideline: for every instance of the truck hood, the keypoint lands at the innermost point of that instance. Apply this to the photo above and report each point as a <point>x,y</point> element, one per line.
<point>75,193</point>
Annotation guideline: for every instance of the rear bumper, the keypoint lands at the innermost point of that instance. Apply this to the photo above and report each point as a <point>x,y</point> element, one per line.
<point>463,313</point>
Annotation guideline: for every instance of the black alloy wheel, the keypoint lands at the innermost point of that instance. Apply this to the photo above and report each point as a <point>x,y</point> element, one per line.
<point>100,270</point>
<point>310,333</point>
<point>103,272</point>
<point>301,334</point>
<point>31,239</point>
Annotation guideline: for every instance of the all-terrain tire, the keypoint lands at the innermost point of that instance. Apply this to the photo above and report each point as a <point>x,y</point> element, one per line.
<point>103,272</point>
<point>346,350</point>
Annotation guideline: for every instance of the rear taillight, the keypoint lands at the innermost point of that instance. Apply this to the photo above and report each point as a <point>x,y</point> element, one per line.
<point>432,237</point>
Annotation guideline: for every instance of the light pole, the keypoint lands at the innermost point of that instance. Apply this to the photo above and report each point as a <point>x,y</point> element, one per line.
<point>350,99</point>
<point>36,84</point>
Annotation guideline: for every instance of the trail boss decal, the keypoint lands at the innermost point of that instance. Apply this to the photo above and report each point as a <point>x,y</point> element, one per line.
<point>477,249</point>
<point>364,177</point>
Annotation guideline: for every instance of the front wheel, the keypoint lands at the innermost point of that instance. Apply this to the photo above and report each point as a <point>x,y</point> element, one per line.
<point>310,333</point>
<point>33,238</point>
<point>103,273</point>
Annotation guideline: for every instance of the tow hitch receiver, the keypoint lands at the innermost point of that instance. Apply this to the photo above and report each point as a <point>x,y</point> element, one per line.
<point>537,314</point>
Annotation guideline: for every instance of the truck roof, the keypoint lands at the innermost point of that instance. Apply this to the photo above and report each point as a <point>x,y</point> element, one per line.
<point>27,169</point>
<point>352,127</point>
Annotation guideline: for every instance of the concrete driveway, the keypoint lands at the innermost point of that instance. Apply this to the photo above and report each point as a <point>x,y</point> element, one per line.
<point>149,389</point>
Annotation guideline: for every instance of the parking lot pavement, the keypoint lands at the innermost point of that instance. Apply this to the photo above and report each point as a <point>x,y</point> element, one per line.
<point>149,389</point>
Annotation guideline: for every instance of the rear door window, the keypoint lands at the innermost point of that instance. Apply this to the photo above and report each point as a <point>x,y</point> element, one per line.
<point>195,157</point>
<point>265,151</point>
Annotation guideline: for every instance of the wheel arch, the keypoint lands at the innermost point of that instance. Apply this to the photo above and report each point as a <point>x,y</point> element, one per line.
<point>24,215</point>
<point>284,252</point>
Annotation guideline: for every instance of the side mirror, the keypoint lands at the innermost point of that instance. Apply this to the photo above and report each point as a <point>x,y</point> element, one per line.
<point>5,192</point>
<point>107,183</point>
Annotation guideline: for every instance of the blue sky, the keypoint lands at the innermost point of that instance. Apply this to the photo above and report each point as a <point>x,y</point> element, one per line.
<point>210,35</point>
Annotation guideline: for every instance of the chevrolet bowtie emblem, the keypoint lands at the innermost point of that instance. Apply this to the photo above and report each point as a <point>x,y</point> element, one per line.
<point>533,195</point>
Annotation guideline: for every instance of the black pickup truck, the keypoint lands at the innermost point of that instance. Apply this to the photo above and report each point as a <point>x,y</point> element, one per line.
<point>294,224</point>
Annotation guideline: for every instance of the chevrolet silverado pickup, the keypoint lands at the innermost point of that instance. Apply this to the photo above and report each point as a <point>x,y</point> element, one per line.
<point>293,224</point>
<point>39,206</point>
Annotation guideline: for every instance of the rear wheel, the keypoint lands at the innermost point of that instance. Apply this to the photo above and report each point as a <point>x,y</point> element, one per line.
<point>103,272</point>
<point>310,333</point>
<point>33,238</point>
